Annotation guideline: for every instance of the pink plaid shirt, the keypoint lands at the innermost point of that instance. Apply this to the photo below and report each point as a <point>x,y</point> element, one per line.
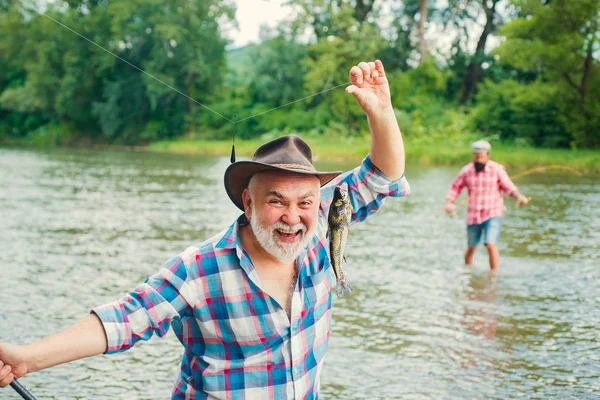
<point>484,189</point>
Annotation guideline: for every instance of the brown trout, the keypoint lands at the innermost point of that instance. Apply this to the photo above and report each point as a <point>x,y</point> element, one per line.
<point>338,220</point>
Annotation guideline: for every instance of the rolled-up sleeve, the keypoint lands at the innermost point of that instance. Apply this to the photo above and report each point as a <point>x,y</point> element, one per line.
<point>147,310</point>
<point>456,187</point>
<point>368,187</point>
<point>506,185</point>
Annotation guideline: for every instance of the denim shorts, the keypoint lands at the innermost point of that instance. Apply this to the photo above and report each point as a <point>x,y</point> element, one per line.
<point>489,228</point>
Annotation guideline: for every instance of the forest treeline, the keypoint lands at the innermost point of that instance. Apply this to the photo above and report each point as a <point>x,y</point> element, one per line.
<point>523,71</point>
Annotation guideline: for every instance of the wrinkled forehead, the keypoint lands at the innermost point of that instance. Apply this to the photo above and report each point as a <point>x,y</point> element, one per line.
<point>284,180</point>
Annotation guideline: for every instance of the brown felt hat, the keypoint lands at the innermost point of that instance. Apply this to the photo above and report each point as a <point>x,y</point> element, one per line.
<point>287,153</point>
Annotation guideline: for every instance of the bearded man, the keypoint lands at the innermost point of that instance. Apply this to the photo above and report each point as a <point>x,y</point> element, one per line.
<point>485,181</point>
<point>252,305</point>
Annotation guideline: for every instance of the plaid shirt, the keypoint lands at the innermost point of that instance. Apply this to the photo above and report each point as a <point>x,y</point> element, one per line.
<point>238,341</point>
<point>484,189</point>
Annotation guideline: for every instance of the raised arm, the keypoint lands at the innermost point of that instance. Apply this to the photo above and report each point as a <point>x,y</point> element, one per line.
<point>84,339</point>
<point>371,90</point>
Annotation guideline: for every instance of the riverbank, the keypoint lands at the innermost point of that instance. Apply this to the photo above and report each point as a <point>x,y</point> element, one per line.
<point>352,149</point>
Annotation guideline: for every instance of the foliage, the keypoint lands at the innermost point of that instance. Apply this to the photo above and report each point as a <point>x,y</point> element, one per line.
<point>525,112</point>
<point>561,41</point>
<point>539,87</point>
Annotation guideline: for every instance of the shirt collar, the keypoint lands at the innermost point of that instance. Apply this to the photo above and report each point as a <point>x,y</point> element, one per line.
<point>231,240</point>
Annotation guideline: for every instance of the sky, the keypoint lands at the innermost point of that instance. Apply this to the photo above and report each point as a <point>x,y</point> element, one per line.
<point>251,14</point>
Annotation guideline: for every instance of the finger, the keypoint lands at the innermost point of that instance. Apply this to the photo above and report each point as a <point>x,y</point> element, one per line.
<point>382,80</point>
<point>356,75</point>
<point>372,67</point>
<point>5,373</point>
<point>353,90</point>
<point>356,92</point>
<point>7,380</point>
<point>366,70</point>
<point>379,68</point>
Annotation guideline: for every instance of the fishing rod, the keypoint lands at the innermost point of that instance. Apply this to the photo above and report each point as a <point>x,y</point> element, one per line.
<point>21,390</point>
<point>543,168</point>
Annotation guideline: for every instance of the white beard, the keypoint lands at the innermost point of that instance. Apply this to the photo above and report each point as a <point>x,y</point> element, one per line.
<point>267,238</point>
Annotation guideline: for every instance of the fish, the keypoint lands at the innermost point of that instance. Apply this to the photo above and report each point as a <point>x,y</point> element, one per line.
<point>338,219</point>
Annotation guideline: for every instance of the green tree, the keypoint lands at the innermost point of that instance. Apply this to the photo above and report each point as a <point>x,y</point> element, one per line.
<point>69,80</point>
<point>17,120</point>
<point>560,40</point>
<point>277,76</point>
<point>398,53</point>
<point>521,112</point>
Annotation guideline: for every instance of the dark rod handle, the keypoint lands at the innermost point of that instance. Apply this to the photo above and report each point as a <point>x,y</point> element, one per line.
<point>21,390</point>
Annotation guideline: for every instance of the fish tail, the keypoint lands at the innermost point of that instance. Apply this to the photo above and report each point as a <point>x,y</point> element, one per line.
<point>343,287</point>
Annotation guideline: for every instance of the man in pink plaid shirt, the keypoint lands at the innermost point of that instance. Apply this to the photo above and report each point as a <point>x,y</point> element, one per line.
<point>485,181</point>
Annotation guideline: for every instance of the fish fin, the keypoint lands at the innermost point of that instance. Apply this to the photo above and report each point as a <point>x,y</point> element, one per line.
<point>343,287</point>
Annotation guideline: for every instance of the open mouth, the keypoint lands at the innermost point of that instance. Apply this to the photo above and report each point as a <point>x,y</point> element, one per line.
<point>288,236</point>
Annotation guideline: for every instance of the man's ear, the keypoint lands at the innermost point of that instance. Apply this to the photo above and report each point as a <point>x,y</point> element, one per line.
<point>247,203</point>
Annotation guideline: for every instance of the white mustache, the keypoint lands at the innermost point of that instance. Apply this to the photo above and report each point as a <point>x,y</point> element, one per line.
<point>289,228</point>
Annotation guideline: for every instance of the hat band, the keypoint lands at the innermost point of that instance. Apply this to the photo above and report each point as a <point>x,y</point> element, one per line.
<point>295,166</point>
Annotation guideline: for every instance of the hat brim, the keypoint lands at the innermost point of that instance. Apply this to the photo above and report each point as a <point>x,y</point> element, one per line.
<point>238,174</point>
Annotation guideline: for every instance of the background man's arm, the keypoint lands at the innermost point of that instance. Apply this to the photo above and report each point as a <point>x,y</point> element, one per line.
<point>509,187</point>
<point>84,339</point>
<point>454,191</point>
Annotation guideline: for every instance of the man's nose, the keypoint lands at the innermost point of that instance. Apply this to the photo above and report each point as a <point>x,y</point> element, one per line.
<point>291,216</point>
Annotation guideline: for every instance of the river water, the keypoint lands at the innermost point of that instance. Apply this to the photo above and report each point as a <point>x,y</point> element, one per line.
<point>79,228</point>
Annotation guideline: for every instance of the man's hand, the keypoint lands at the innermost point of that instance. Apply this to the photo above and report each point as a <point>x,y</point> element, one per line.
<point>449,207</point>
<point>371,90</point>
<point>370,87</point>
<point>522,200</point>
<point>12,363</point>
<point>84,339</point>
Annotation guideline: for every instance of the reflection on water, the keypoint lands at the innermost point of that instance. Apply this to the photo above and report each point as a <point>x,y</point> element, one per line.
<point>79,228</point>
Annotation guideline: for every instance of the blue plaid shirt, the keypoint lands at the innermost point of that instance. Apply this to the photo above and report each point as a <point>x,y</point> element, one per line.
<point>238,341</point>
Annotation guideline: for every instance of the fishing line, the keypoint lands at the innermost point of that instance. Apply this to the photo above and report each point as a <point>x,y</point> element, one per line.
<point>138,68</point>
<point>234,122</point>
<point>295,101</point>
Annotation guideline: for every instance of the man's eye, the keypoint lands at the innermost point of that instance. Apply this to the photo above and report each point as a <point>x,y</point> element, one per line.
<point>274,202</point>
<point>306,204</point>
